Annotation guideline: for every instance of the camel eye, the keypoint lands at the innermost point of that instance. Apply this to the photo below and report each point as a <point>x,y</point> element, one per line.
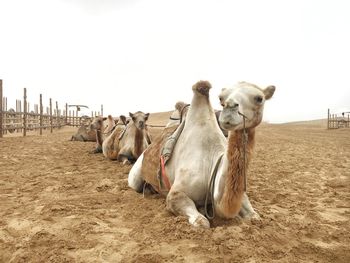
<point>221,101</point>
<point>258,99</point>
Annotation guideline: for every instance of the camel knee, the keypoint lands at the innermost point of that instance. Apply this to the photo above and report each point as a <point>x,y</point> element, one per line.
<point>135,180</point>
<point>180,204</point>
<point>174,201</point>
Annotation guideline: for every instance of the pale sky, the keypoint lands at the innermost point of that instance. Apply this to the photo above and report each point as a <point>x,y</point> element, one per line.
<point>132,55</point>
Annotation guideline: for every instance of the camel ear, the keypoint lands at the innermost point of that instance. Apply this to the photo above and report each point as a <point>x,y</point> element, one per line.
<point>104,118</point>
<point>146,116</point>
<point>123,119</point>
<point>131,115</point>
<point>269,91</point>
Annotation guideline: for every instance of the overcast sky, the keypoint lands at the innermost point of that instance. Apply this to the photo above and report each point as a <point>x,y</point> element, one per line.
<point>145,55</point>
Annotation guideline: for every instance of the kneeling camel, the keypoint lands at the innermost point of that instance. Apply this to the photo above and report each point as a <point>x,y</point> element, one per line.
<point>203,163</point>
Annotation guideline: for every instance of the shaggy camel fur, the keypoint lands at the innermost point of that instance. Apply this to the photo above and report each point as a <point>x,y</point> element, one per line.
<point>84,134</point>
<point>126,145</point>
<point>201,148</point>
<point>103,127</point>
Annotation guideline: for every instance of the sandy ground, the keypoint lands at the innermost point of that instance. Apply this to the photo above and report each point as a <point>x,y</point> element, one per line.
<point>59,203</point>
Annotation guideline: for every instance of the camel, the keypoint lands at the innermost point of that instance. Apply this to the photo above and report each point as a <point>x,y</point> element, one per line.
<point>127,145</point>
<point>103,127</point>
<point>178,114</point>
<point>84,134</point>
<point>204,167</point>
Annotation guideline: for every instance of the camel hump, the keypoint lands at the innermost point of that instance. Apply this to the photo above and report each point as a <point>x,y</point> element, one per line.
<point>202,87</point>
<point>123,119</point>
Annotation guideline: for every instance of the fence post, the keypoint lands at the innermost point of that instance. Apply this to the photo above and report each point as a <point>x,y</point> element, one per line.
<point>25,112</point>
<point>102,110</point>
<point>1,108</point>
<point>77,119</point>
<point>41,115</point>
<point>50,115</point>
<point>66,121</point>
<point>328,120</point>
<point>57,115</point>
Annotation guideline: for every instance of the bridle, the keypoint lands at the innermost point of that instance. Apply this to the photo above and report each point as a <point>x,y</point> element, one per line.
<point>211,186</point>
<point>181,114</point>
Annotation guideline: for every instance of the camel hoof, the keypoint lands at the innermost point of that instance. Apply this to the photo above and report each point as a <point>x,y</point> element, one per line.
<point>201,221</point>
<point>253,216</point>
<point>126,162</point>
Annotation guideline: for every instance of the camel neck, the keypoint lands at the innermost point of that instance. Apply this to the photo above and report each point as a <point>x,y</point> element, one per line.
<point>99,137</point>
<point>138,145</point>
<point>237,166</point>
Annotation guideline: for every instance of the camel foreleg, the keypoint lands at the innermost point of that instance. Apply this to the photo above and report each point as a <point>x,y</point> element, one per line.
<point>135,180</point>
<point>247,211</point>
<point>180,204</point>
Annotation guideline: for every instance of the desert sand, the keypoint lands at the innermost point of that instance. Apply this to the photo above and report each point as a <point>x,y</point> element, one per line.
<point>60,203</point>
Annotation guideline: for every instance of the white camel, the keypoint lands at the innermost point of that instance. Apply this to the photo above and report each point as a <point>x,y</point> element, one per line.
<point>203,155</point>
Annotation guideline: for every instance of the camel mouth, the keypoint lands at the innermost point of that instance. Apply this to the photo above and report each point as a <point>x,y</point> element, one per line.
<point>228,126</point>
<point>230,119</point>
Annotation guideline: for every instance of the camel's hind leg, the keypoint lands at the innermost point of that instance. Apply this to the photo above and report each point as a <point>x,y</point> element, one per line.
<point>179,203</point>
<point>247,211</point>
<point>135,179</point>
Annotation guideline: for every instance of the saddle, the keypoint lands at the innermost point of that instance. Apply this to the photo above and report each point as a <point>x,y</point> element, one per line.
<point>160,149</point>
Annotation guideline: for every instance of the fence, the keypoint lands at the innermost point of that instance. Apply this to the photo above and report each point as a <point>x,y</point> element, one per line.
<point>334,121</point>
<point>18,120</point>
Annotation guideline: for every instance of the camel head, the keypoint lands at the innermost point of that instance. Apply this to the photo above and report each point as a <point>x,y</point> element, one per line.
<point>180,111</point>
<point>97,123</point>
<point>139,118</point>
<point>244,99</point>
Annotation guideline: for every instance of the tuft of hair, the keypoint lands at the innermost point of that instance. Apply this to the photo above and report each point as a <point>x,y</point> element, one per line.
<point>202,87</point>
<point>110,117</point>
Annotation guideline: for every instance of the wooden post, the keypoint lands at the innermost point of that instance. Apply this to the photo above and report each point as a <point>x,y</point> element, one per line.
<point>77,118</point>
<point>1,108</point>
<point>102,110</point>
<point>41,115</point>
<point>328,126</point>
<point>51,115</point>
<point>66,121</point>
<point>25,112</point>
<point>20,110</point>
<point>4,108</point>
<point>57,115</point>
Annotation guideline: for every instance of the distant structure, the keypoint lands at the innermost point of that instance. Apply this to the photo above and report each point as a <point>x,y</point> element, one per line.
<point>335,122</point>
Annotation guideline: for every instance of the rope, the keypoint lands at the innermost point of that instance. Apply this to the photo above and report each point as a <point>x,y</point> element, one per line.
<point>245,141</point>
<point>210,191</point>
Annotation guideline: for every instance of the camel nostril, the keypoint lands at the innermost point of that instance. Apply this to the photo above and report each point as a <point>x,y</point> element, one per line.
<point>227,123</point>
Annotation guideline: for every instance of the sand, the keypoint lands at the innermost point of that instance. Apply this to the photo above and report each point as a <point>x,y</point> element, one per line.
<point>60,203</point>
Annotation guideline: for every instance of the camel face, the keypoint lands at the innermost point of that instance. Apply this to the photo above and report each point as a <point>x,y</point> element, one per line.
<point>139,118</point>
<point>97,123</point>
<point>244,99</point>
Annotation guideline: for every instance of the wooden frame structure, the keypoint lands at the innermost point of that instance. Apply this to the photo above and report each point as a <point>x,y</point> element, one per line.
<point>335,121</point>
<point>18,120</point>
